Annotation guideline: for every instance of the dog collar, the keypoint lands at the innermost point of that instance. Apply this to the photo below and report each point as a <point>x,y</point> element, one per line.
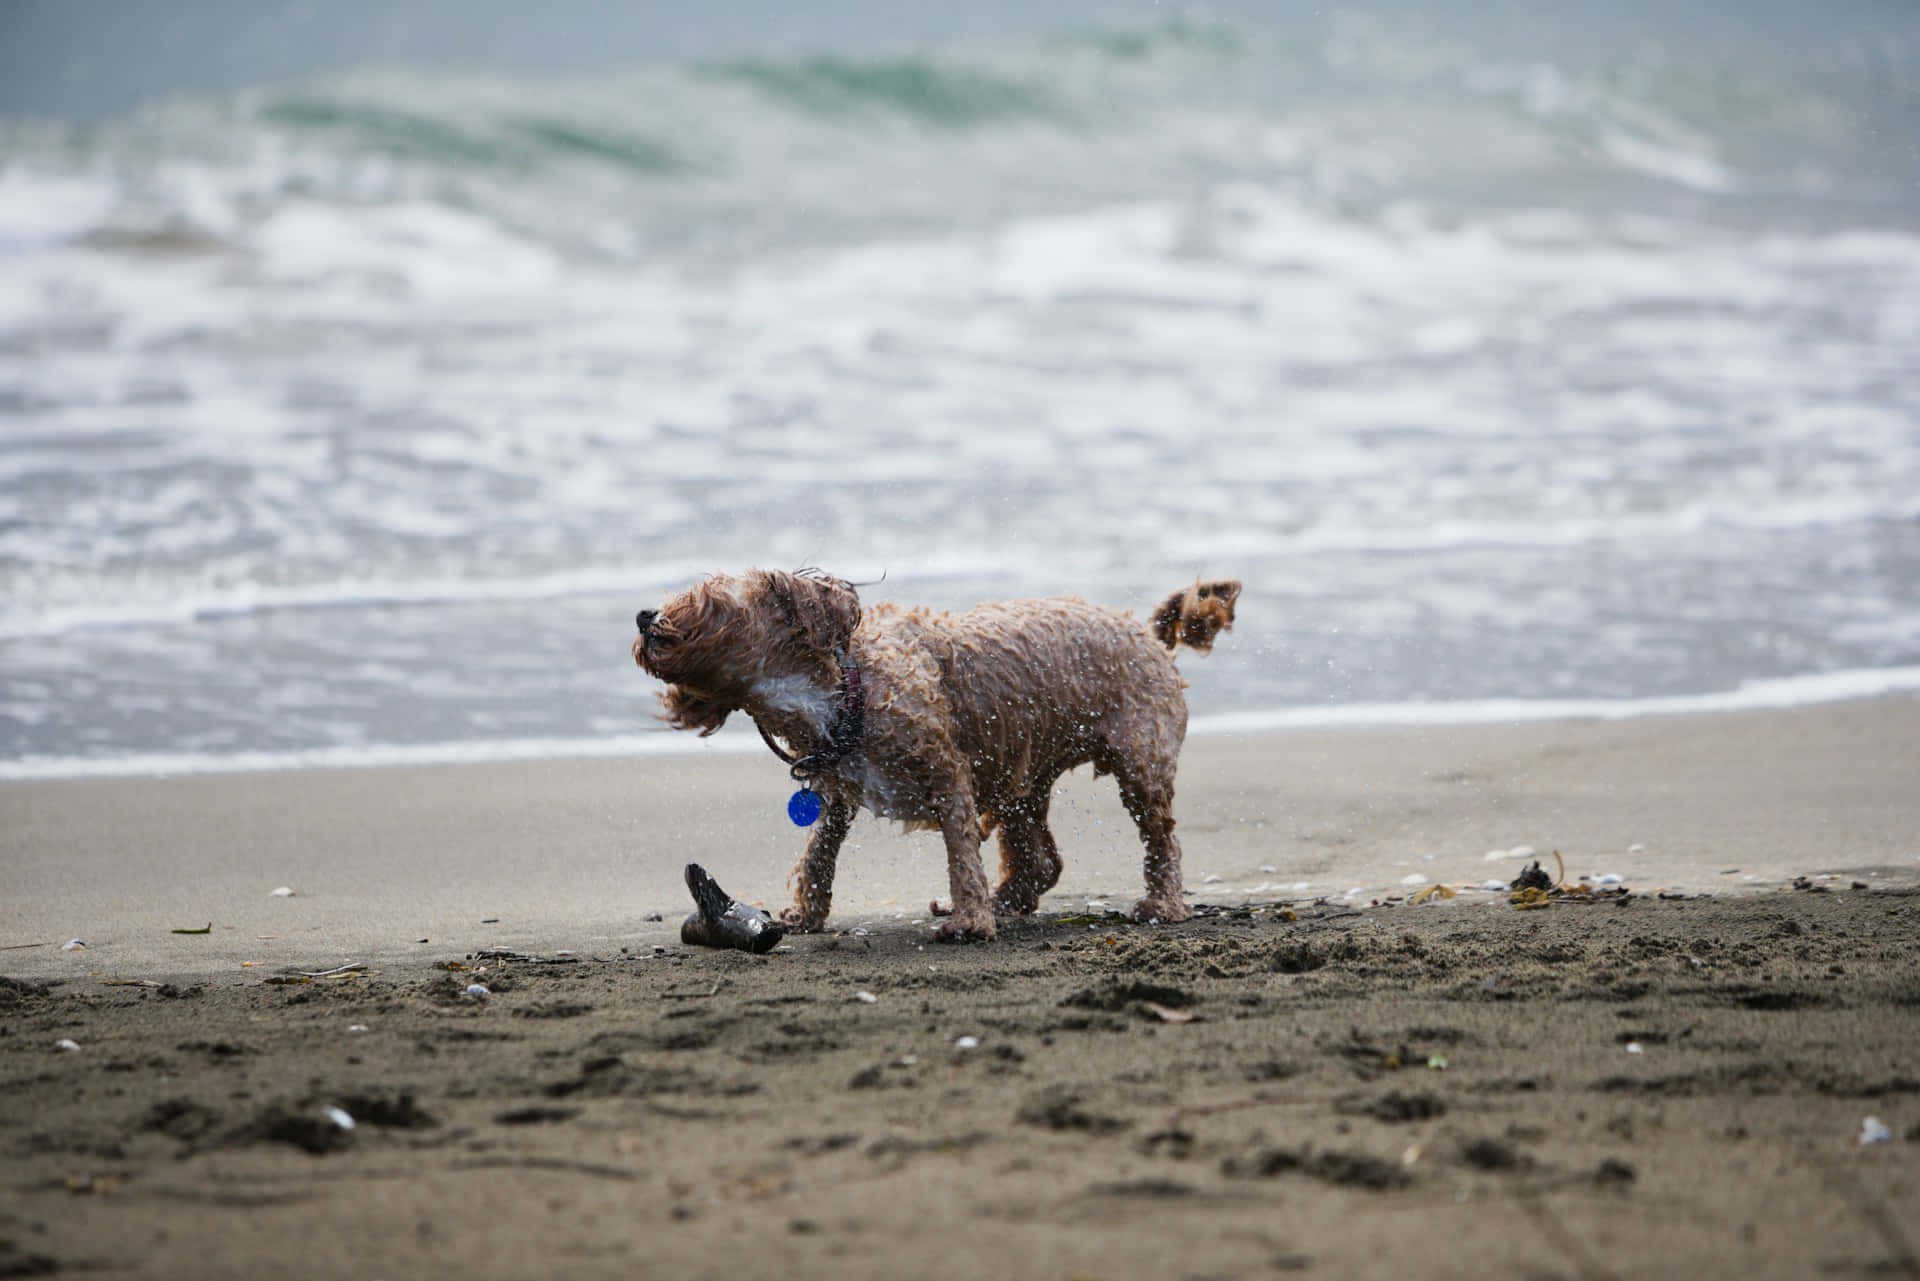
<point>843,734</point>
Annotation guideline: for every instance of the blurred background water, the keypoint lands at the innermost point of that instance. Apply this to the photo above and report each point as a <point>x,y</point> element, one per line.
<point>364,367</point>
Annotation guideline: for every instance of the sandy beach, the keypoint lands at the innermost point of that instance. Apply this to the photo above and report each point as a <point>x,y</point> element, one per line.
<point>1667,1068</point>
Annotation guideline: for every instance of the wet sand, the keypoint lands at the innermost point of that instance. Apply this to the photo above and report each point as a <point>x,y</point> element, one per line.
<point>1667,1073</point>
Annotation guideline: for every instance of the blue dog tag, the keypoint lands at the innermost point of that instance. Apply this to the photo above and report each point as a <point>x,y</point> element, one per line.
<point>803,807</point>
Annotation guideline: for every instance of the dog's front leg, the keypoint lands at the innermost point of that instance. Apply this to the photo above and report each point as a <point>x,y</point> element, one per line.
<point>972,915</point>
<point>813,874</point>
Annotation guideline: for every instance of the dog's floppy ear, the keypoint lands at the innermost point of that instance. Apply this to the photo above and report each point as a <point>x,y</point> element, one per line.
<point>822,611</point>
<point>688,710</point>
<point>1194,615</point>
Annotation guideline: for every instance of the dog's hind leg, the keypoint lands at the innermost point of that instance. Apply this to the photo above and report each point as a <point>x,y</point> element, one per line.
<point>813,875</point>
<point>1029,859</point>
<point>1147,791</point>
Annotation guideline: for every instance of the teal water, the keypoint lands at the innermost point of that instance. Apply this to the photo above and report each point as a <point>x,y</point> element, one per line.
<point>362,409</point>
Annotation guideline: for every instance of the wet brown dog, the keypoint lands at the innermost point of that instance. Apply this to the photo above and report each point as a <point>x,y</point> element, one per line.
<point>958,722</point>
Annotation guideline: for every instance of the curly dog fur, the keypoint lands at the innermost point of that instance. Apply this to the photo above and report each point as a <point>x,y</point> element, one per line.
<point>965,720</point>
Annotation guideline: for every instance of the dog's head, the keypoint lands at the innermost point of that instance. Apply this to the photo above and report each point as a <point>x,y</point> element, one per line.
<point>1194,615</point>
<point>715,641</point>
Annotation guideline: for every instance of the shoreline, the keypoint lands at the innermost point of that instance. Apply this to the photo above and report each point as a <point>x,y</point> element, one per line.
<point>584,855</point>
<point>1782,693</point>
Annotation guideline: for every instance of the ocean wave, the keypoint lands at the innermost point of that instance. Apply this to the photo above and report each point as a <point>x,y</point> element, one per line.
<point>204,604</point>
<point>1750,696</point>
<point>919,89</point>
<point>1768,695</point>
<point>145,598</point>
<point>1375,312</point>
<point>714,156</point>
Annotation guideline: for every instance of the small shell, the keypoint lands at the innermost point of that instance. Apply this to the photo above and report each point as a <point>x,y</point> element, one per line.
<point>479,991</point>
<point>966,1042</point>
<point>66,1045</point>
<point>285,891</point>
<point>74,945</point>
<point>339,1116</point>
<point>866,998</point>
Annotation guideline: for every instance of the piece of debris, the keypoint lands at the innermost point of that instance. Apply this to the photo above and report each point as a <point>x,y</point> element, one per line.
<point>724,921</point>
<point>1874,1130</point>
<point>285,891</point>
<point>529,958</point>
<point>866,997</point>
<point>205,929</point>
<point>1534,878</point>
<point>1434,891</point>
<point>479,991</point>
<point>966,1042</point>
<point>74,945</point>
<point>1167,1014</point>
<point>313,1130</point>
<point>66,1045</point>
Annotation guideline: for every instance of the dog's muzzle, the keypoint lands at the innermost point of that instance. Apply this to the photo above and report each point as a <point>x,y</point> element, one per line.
<point>644,620</point>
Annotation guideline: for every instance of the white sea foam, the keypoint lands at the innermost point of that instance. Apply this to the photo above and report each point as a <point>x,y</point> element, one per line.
<point>187,603</point>
<point>443,364</point>
<point>1800,691</point>
<point>1763,695</point>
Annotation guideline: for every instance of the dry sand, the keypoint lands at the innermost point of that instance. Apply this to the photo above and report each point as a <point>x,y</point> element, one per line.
<point>1612,1085</point>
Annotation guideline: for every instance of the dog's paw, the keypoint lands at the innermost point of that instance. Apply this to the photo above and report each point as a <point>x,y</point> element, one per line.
<point>1155,911</point>
<point>798,922</point>
<point>966,927</point>
<point>1015,900</point>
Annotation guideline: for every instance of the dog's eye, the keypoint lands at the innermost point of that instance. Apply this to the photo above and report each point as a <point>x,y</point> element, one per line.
<point>1206,591</point>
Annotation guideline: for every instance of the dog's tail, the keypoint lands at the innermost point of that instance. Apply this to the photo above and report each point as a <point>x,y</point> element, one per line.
<point>1194,615</point>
